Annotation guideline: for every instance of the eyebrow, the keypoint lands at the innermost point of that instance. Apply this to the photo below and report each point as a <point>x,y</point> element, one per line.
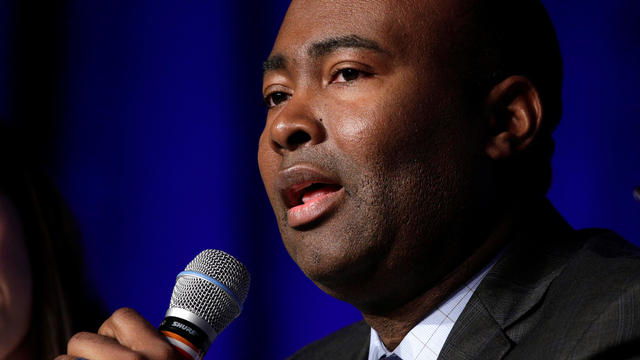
<point>330,45</point>
<point>323,48</point>
<point>274,62</point>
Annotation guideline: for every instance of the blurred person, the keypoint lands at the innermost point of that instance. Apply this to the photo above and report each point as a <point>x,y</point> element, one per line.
<point>43,296</point>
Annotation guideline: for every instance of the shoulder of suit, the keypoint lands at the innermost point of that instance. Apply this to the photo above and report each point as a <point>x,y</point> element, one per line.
<point>346,343</point>
<point>605,253</point>
<point>600,273</point>
<point>595,299</point>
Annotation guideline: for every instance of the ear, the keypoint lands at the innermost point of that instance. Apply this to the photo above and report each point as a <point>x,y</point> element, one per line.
<point>515,117</point>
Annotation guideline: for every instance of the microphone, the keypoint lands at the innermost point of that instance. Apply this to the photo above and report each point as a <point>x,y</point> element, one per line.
<point>208,295</point>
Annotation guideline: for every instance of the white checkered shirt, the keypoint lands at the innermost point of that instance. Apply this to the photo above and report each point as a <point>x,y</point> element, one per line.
<point>426,339</point>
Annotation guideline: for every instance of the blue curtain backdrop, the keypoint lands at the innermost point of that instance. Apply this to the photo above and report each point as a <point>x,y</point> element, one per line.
<point>150,112</point>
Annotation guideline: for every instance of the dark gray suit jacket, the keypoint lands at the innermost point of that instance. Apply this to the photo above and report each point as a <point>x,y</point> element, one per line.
<point>555,293</point>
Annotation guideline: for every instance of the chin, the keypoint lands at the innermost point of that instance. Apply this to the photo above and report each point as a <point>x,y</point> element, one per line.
<point>338,268</point>
<point>361,291</point>
<point>354,290</point>
<point>328,267</point>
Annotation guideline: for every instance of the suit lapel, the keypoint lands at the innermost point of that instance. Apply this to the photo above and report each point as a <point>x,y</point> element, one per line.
<point>363,353</point>
<point>502,309</point>
<point>476,335</point>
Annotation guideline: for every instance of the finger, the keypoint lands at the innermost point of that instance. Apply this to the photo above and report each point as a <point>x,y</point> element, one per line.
<point>97,347</point>
<point>134,332</point>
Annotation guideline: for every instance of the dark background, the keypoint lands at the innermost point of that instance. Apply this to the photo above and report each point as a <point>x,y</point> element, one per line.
<point>147,115</point>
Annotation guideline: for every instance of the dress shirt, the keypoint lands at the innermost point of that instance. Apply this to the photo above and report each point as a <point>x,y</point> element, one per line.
<point>426,339</point>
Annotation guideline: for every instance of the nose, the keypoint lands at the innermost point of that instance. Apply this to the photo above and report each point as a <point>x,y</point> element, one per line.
<point>296,126</point>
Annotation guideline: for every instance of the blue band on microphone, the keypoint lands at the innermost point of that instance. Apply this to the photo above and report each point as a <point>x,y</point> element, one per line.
<point>214,282</point>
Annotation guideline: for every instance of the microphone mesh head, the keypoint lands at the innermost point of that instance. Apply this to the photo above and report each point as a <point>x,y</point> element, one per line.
<point>207,300</point>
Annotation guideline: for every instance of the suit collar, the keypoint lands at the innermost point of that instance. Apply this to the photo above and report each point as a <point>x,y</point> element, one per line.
<point>476,335</point>
<point>537,254</point>
<point>496,316</point>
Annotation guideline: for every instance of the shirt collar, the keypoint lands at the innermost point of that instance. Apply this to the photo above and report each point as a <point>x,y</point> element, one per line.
<point>426,339</point>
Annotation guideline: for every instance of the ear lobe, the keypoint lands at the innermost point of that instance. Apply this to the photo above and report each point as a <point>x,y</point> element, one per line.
<point>515,116</point>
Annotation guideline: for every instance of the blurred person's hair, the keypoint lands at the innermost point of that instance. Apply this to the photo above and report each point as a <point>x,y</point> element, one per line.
<point>62,303</point>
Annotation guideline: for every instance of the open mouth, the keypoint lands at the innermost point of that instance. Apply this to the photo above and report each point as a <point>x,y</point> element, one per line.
<point>306,194</point>
<point>313,202</point>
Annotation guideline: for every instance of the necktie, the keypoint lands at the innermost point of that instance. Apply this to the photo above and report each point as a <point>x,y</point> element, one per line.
<point>390,357</point>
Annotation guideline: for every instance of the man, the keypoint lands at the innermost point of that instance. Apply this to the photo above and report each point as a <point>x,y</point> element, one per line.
<point>406,156</point>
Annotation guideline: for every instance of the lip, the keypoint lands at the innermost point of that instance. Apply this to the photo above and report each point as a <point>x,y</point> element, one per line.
<point>321,192</point>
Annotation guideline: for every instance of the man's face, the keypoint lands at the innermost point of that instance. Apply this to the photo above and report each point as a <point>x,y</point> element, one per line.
<point>368,146</point>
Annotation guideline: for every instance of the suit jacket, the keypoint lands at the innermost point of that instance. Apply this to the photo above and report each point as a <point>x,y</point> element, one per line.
<point>555,293</point>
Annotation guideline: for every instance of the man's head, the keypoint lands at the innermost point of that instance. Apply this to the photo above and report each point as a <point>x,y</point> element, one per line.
<point>389,127</point>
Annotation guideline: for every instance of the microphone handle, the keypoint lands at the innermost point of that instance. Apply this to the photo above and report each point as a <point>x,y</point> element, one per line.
<point>186,337</point>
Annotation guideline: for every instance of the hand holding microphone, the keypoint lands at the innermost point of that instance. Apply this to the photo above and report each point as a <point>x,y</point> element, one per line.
<point>207,296</point>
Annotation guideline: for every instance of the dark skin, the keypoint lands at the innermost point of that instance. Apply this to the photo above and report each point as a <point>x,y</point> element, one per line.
<point>364,99</point>
<point>393,127</point>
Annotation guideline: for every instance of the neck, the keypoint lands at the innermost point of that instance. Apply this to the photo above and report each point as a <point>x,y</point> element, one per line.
<point>393,326</point>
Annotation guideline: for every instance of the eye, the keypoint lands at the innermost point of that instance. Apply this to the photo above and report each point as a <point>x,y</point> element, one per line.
<point>347,75</point>
<point>275,98</point>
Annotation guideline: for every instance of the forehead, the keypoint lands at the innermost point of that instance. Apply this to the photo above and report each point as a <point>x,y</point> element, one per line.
<point>395,24</point>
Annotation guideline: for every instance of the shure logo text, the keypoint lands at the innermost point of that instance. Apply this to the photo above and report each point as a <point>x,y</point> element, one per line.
<point>184,327</point>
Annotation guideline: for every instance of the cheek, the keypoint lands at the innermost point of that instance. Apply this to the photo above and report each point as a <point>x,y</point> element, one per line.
<point>267,162</point>
<point>263,159</point>
<point>361,129</point>
<point>15,282</point>
<point>406,117</point>
<point>384,121</point>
